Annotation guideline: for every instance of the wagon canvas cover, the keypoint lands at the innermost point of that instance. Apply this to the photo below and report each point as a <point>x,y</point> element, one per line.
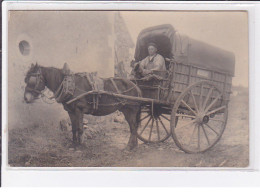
<point>184,49</point>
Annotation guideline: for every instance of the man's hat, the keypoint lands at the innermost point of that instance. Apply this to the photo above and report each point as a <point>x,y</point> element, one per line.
<point>152,44</point>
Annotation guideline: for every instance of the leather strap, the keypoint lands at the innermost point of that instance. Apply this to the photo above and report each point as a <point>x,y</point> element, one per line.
<point>115,86</point>
<point>90,82</point>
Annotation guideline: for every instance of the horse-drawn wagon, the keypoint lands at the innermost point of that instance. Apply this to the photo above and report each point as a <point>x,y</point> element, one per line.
<point>192,95</point>
<point>188,101</point>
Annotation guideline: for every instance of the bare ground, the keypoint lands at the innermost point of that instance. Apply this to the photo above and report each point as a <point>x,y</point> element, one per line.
<point>45,145</point>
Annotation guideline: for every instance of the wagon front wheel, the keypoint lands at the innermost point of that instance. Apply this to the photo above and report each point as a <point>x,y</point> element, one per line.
<point>153,128</point>
<point>202,117</point>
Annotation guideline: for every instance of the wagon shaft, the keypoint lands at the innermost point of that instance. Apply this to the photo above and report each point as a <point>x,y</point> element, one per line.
<point>131,98</point>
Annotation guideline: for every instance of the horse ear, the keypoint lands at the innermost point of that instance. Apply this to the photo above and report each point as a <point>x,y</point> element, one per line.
<point>65,69</point>
<point>36,65</point>
<point>32,65</point>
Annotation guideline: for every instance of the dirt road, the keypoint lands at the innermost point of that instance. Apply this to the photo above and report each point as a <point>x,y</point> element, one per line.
<point>47,146</point>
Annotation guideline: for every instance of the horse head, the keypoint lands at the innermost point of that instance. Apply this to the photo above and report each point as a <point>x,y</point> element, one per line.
<point>35,83</point>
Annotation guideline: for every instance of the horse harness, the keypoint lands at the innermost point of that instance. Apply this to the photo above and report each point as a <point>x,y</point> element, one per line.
<point>96,96</point>
<point>67,88</point>
<point>91,79</point>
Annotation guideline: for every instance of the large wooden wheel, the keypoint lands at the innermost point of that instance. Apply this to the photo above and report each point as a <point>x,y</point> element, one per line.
<point>153,128</point>
<point>202,117</point>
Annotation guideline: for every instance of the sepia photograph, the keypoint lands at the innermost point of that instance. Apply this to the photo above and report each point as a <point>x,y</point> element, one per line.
<point>128,89</point>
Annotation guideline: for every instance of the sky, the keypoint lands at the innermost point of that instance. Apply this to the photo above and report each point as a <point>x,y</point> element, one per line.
<point>227,30</point>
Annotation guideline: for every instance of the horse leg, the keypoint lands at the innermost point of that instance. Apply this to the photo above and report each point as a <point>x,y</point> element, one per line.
<point>73,121</point>
<point>79,125</point>
<point>132,116</point>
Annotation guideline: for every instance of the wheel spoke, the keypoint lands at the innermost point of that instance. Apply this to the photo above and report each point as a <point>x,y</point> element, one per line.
<point>217,109</point>
<point>212,103</point>
<point>157,127</point>
<point>192,135</point>
<point>163,126</point>
<point>194,101</point>
<point>198,137</point>
<point>150,135</point>
<point>183,115</point>
<point>200,99</point>
<point>204,131</point>
<point>207,98</point>
<point>212,129</point>
<point>189,107</point>
<point>165,117</point>
<point>144,117</point>
<point>145,126</point>
<point>187,124</point>
<point>220,120</point>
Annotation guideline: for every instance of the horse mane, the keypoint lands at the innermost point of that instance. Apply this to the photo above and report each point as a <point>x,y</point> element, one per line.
<point>54,74</point>
<point>53,70</point>
<point>32,69</point>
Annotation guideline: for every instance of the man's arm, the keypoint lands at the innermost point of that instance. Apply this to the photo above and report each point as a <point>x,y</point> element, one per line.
<point>159,63</point>
<point>143,65</point>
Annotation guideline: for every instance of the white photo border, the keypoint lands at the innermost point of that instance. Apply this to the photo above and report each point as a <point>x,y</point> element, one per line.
<point>141,176</point>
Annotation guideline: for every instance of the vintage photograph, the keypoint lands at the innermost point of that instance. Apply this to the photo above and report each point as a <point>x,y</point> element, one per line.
<point>128,89</point>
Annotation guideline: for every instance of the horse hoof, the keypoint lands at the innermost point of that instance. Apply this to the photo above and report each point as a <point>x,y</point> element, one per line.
<point>130,148</point>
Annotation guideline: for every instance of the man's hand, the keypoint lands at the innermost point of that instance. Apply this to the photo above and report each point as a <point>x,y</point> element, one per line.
<point>136,66</point>
<point>147,71</point>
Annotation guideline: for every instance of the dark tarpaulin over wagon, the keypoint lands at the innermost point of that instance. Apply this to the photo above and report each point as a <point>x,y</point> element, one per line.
<point>184,50</point>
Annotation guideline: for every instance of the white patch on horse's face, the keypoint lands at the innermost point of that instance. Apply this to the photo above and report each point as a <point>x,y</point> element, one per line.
<point>28,97</point>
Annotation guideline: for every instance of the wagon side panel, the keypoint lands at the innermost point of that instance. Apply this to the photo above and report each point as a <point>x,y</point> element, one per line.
<point>185,75</point>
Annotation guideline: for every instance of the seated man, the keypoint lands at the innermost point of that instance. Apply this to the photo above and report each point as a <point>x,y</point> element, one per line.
<point>153,61</point>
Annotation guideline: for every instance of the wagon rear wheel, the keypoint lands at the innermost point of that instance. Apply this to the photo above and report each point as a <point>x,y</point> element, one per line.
<point>153,128</point>
<point>202,117</point>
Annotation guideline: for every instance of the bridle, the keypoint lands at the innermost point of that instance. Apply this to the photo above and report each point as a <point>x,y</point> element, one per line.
<point>34,80</point>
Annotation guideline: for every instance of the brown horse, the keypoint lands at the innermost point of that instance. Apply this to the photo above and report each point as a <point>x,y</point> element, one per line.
<point>39,77</point>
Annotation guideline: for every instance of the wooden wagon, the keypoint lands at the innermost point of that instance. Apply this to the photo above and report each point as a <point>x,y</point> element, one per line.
<point>190,100</point>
